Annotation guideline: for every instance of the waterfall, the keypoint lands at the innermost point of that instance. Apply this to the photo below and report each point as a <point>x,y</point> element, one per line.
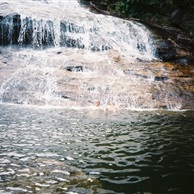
<point>42,24</point>
<point>59,53</point>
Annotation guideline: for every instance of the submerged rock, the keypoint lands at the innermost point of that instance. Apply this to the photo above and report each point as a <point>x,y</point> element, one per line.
<point>74,68</point>
<point>46,175</point>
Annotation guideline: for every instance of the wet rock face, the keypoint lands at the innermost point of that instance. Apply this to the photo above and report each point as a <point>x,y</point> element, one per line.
<point>9,29</point>
<point>74,68</point>
<point>165,50</point>
<point>77,78</point>
<point>14,31</point>
<point>172,45</point>
<point>43,33</point>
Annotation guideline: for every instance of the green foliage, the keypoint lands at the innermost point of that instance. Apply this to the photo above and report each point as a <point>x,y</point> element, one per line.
<point>154,10</point>
<point>139,8</point>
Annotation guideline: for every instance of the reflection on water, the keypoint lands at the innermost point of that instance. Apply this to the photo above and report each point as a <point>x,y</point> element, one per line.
<point>92,151</point>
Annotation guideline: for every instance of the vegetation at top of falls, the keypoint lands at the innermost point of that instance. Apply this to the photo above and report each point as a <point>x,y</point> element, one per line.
<point>158,11</point>
<point>172,21</point>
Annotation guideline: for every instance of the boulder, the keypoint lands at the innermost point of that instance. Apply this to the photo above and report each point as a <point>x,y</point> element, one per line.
<point>172,44</point>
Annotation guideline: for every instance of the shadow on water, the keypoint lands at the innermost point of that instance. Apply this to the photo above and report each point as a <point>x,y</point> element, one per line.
<point>92,151</point>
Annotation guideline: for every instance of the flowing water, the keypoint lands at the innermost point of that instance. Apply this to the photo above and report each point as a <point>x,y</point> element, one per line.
<point>65,23</point>
<point>49,150</point>
<point>44,42</point>
<point>59,53</point>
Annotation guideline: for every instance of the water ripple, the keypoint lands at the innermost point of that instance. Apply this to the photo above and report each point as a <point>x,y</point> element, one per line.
<point>135,154</point>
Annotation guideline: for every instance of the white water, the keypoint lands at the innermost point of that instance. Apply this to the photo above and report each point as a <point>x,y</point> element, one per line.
<point>71,35</point>
<point>68,24</point>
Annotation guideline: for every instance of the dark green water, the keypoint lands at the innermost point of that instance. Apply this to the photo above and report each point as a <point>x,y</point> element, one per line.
<point>47,150</point>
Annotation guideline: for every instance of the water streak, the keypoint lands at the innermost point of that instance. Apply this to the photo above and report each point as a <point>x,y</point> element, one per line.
<point>65,23</point>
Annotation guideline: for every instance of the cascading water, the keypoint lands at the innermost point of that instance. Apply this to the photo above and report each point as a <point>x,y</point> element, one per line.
<point>55,23</point>
<point>59,53</point>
